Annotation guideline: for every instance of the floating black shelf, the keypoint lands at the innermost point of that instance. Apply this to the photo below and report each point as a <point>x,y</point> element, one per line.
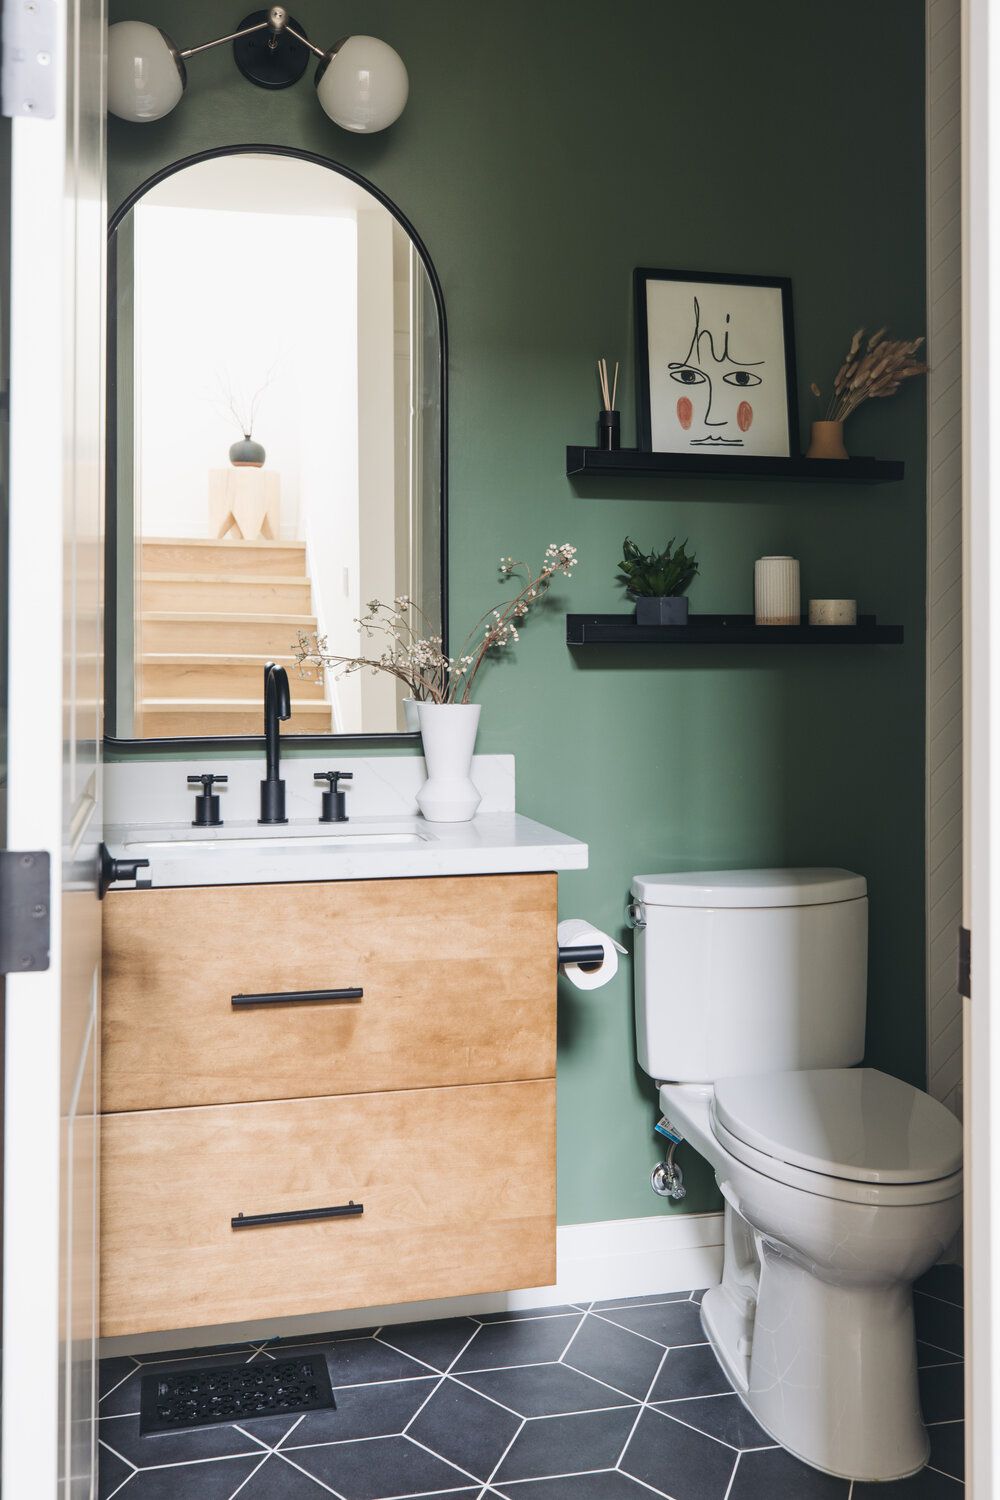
<point>725,630</point>
<point>623,462</point>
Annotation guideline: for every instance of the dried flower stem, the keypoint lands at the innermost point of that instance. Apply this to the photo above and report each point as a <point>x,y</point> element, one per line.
<point>872,370</point>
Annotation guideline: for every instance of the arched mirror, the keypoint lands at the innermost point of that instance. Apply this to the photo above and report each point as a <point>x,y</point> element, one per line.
<point>276,434</point>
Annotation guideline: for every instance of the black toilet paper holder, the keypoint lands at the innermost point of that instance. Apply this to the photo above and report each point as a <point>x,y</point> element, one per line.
<point>587,955</point>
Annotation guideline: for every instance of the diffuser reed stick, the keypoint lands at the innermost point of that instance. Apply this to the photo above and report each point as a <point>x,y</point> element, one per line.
<point>609,389</point>
<point>608,419</point>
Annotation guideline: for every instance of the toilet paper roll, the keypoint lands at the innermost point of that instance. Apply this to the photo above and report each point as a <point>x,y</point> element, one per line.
<point>575,932</point>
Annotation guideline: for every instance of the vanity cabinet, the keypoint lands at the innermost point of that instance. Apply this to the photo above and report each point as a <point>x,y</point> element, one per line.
<point>427,1100</point>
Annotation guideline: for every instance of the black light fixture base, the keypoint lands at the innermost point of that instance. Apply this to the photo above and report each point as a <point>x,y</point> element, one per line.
<point>269,61</point>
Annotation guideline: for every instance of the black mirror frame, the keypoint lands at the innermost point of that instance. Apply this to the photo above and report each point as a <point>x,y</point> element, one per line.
<point>200,743</point>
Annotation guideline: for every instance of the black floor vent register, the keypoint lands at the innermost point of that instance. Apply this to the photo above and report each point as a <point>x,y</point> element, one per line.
<point>200,1397</point>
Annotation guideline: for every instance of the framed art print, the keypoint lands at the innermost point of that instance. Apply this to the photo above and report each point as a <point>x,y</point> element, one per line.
<point>716,364</point>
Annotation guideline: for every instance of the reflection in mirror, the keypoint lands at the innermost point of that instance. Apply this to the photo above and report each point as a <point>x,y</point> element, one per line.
<point>276,445</point>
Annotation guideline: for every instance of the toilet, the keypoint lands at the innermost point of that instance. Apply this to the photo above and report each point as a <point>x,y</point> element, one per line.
<point>842,1185</point>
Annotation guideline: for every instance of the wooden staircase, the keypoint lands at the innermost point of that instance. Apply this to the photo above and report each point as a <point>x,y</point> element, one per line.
<point>211,614</point>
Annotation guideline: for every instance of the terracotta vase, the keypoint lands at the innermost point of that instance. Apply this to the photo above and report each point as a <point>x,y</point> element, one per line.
<point>827,441</point>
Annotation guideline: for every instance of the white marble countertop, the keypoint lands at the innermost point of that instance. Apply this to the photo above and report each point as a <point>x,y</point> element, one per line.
<point>365,848</point>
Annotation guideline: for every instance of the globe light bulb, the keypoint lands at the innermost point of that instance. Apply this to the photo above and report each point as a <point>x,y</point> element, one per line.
<point>362,84</point>
<point>146,76</point>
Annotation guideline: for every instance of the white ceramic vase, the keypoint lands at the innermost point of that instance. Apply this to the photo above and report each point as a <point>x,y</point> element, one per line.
<point>448,731</point>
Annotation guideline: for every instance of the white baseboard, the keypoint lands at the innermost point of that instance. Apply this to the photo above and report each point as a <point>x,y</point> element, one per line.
<point>614,1258</point>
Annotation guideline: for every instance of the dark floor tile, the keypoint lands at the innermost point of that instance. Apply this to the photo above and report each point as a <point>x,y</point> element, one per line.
<point>676,1460</point>
<point>609,1485</point>
<point>697,1297</point>
<point>530,1341</point>
<point>543,1390</point>
<point>373,1470</point>
<point>722,1417</point>
<point>276,1480</point>
<point>562,1310</point>
<point>939,1323</point>
<point>948,1448</point>
<point>112,1473</point>
<point>651,1301</point>
<point>614,1355</point>
<point>111,1372</point>
<point>776,1475</point>
<point>947,1282</point>
<point>567,1445</point>
<point>268,1430</point>
<point>927,1485</point>
<point>211,1481</point>
<point>465,1428</point>
<point>435,1344</point>
<point>942,1393</point>
<point>363,1361</point>
<point>928,1355</point>
<point>669,1323</point>
<point>363,1411</point>
<point>187,1447</point>
<point>690,1372</point>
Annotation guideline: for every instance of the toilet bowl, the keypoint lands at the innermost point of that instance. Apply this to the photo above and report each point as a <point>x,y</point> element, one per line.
<point>813,1320</point>
<point>841,1184</point>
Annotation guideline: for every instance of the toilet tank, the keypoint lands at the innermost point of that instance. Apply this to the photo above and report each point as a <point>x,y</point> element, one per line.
<point>749,971</point>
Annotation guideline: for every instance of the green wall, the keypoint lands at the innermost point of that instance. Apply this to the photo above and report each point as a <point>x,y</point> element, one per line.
<point>547,149</point>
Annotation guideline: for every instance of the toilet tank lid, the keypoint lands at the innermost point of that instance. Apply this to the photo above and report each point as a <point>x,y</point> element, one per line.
<point>749,888</point>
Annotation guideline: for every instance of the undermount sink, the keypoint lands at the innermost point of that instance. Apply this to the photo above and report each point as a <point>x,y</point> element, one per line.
<point>262,842</point>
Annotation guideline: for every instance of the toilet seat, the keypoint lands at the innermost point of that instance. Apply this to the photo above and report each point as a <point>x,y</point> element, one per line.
<point>849,1133</point>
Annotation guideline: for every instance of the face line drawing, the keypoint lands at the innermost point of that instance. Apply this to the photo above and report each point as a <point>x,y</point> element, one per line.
<point>693,365</point>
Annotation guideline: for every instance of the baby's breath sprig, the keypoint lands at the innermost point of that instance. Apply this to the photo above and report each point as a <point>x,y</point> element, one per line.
<point>412,654</point>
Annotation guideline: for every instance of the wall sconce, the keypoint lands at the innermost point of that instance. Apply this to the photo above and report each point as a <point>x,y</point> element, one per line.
<point>361,83</point>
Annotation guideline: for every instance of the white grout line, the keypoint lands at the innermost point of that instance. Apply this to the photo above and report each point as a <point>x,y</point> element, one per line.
<point>956,1357</point>
<point>298,1467</point>
<point>502,1459</point>
<point>248,1478</point>
<point>441,1459</point>
<point>494,1320</point>
<point>358,1385</point>
<point>572,1336</point>
<point>416,1359</point>
<point>102,1444</point>
<point>605,1317</point>
<point>732,1479</point>
<point>681,1423</point>
<point>441,1381</point>
<point>642,1408</point>
<point>933,1297</point>
<point>457,1378</point>
<point>127,1376</point>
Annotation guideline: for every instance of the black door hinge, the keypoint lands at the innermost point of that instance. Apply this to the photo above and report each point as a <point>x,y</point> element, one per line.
<point>965,962</point>
<point>25,911</point>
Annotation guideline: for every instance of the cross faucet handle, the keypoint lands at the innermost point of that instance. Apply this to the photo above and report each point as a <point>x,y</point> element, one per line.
<point>334,801</point>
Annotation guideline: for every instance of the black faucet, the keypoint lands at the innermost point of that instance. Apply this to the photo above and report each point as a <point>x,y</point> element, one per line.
<point>277,705</point>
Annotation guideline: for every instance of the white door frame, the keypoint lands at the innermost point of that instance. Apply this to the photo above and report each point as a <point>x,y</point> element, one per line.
<point>981,629</point>
<point>58,231</point>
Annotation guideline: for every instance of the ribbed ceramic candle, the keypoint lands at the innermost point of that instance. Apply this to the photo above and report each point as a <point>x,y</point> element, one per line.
<point>776,591</point>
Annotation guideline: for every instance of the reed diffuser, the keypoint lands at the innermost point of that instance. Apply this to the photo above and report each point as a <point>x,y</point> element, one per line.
<point>609,420</point>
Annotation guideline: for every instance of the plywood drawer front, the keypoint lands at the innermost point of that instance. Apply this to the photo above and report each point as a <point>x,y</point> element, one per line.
<point>458,1188</point>
<point>459,980</point>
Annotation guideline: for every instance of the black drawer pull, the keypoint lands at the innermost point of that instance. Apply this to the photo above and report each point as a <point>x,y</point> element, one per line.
<point>299,1216</point>
<point>298,997</point>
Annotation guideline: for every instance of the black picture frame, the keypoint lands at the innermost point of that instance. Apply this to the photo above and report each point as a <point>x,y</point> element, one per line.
<point>124,747</point>
<point>641,277</point>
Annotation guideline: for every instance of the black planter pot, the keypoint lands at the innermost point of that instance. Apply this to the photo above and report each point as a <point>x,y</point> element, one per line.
<point>670,611</point>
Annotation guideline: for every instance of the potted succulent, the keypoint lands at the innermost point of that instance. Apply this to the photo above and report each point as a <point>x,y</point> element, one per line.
<point>658,582</point>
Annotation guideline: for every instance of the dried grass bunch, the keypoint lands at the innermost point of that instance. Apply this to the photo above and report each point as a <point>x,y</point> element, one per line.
<point>873,368</point>
<point>413,655</point>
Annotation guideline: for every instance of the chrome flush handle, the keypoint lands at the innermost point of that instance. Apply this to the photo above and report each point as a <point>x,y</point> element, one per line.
<point>635,915</point>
